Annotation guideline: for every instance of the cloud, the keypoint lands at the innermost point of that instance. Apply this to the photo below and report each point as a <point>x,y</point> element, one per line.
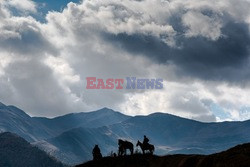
<point>176,98</point>
<point>24,6</point>
<point>119,17</point>
<point>199,24</point>
<point>31,84</point>
<point>202,52</point>
<point>200,48</point>
<point>202,41</point>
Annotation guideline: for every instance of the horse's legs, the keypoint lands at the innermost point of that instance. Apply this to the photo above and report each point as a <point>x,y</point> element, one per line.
<point>121,152</point>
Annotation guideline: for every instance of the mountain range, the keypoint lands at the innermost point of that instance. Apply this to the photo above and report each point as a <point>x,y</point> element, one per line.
<point>70,138</point>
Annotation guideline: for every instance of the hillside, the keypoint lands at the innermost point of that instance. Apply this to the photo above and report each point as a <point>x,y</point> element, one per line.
<point>13,119</point>
<point>34,129</point>
<point>94,119</point>
<point>71,138</point>
<point>181,134</point>
<point>234,157</point>
<point>15,151</point>
<point>170,134</point>
<point>76,145</point>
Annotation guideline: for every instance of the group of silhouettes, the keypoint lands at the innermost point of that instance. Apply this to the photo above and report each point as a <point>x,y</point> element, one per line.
<point>126,145</point>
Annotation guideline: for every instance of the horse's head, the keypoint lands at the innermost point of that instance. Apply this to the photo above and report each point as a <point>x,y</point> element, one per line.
<point>138,143</point>
<point>119,142</point>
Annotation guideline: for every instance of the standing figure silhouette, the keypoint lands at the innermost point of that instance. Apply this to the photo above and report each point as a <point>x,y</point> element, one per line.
<point>96,153</point>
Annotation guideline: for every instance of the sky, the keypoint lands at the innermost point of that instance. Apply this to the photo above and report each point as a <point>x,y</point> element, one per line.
<point>200,48</point>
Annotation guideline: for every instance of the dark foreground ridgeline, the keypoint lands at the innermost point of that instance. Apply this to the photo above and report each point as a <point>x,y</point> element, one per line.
<point>238,156</point>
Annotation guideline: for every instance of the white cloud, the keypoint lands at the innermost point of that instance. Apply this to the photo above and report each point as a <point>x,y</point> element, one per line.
<point>201,25</point>
<point>62,69</point>
<point>23,6</point>
<point>126,16</point>
<point>176,98</point>
<point>5,60</point>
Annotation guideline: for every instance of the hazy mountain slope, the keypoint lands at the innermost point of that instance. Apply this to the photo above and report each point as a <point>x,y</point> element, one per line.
<point>14,120</point>
<point>235,157</point>
<point>75,146</point>
<point>166,129</point>
<point>102,117</point>
<point>71,137</point>
<point>183,135</point>
<point>15,151</point>
<point>35,129</point>
<point>170,134</point>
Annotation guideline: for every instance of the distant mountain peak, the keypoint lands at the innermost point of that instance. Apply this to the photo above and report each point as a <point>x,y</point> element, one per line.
<point>167,115</point>
<point>13,109</point>
<point>105,109</point>
<point>2,105</point>
<point>162,114</point>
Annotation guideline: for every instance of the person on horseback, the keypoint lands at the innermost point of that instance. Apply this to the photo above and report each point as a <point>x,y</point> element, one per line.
<point>145,146</point>
<point>145,141</point>
<point>96,153</point>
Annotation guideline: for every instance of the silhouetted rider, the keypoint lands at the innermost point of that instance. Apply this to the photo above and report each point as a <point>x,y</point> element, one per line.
<point>96,153</point>
<point>145,140</point>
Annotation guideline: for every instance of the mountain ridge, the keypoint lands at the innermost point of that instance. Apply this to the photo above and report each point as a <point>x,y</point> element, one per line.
<point>15,120</point>
<point>170,135</point>
<point>71,137</point>
<point>92,119</point>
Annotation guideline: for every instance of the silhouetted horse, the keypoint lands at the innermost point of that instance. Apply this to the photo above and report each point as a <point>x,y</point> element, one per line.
<point>123,146</point>
<point>148,147</point>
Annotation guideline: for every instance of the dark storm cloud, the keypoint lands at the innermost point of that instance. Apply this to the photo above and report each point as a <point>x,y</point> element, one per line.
<point>222,59</point>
